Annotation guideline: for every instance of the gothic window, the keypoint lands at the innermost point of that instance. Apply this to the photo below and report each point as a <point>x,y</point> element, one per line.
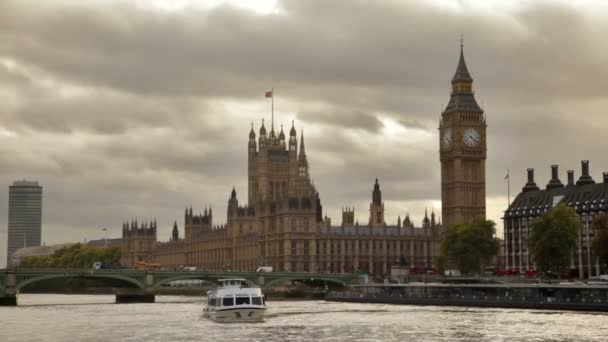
<point>306,247</point>
<point>293,225</point>
<point>293,247</point>
<point>302,171</point>
<point>306,224</point>
<point>378,217</point>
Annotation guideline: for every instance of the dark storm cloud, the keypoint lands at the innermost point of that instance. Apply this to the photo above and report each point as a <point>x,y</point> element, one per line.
<point>122,111</point>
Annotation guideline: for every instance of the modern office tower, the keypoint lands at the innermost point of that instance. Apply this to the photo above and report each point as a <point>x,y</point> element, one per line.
<point>24,216</point>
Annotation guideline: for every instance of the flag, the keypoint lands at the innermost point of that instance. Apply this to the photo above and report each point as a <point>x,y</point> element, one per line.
<point>268,94</point>
<point>507,176</point>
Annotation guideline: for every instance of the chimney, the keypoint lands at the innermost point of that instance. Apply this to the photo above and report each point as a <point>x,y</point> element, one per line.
<point>585,177</point>
<point>554,183</point>
<point>605,177</point>
<point>570,177</point>
<point>530,185</point>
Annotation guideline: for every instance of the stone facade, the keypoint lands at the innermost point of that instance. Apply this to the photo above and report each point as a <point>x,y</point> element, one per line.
<point>587,198</point>
<point>282,225</point>
<point>462,140</point>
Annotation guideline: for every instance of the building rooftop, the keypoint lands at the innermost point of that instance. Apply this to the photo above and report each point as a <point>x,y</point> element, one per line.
<point>25,183</point>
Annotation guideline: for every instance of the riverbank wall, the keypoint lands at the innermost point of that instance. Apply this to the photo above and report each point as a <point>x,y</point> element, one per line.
<point>469,303</point>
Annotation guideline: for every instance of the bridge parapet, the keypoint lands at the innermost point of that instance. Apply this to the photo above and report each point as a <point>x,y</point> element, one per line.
<point>143,284</point>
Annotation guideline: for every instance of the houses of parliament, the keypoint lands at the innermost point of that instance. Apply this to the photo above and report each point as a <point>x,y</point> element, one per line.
<point>282,223</point>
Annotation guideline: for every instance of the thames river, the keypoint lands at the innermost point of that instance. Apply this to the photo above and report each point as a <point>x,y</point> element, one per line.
<point>172,318</point>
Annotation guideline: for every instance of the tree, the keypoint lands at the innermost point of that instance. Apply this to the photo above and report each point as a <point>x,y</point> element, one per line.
<point>469,247</point>
<point>599,244</point>
<point>74,256</point>
<point>553,239</point>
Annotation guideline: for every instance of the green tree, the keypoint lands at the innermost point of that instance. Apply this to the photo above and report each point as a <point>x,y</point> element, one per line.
<point>599,244</point>
<point>469,247</point>
<point>74,256</point>
<point>553,239</point>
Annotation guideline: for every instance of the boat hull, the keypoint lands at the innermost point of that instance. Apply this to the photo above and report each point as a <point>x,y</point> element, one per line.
<point>236,315</point>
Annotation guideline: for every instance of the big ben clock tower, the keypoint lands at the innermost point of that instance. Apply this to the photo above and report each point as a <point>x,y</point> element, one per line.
<point>462,144</point>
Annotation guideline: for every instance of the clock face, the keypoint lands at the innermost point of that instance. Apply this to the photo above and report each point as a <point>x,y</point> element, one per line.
<point>446,138</point>
<point>471,137</point>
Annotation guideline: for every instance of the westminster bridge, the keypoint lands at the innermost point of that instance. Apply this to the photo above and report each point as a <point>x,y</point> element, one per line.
<point>141,285</point>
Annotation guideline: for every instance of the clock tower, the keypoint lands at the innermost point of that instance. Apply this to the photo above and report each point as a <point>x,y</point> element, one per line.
<point>462,150</point>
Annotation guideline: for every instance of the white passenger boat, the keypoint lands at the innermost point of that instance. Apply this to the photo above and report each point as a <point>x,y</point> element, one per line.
<point>235,300</point>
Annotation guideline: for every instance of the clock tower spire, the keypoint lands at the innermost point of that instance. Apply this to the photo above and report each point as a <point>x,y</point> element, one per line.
<point>462,150</point>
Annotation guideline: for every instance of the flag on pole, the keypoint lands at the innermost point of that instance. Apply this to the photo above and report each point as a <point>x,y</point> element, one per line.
<point>268,94</point>
<point>507,176</point>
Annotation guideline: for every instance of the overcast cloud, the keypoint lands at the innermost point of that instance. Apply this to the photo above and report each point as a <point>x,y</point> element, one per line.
<point>122,109</point>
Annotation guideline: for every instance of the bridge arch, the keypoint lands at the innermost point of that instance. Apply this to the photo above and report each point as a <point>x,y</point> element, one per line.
<point>126,279</point>
<point>270,282</point>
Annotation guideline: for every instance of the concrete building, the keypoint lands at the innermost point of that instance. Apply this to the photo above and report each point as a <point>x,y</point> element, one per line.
<point>24,216</point>
<point>588,198</point>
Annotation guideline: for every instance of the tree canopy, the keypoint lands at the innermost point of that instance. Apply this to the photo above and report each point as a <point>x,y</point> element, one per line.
<point>74,256</point>
<point>469,247</point>
<point>553,238</point>
<point>599,243</point>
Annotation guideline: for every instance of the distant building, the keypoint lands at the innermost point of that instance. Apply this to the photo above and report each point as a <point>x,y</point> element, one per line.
<point>39,251</point>
<point>24,216</point>
<point>586,197</point>
<point>117,242</point>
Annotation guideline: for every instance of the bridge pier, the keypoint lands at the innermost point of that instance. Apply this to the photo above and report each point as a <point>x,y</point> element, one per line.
<point>138,295</point>
<point>8,297</point>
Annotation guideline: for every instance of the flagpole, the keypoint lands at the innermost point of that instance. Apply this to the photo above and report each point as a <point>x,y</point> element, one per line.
<point>272,107</point>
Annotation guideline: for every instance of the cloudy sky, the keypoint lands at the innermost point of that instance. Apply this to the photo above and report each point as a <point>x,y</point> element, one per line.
<point>135,109</point>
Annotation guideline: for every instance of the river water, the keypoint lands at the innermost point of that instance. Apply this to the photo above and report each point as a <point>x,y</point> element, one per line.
<point>175,318</point>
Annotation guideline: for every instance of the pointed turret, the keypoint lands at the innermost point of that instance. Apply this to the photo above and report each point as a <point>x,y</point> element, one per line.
<point>377,194</point>
<point>252,133</point>
<point>175,232</point>
<point>262,134</point>
<point>282,137</point>
<point>292,132</point>
<point>292,139</point>
<point>462,72</point>
<point>302,155</point>
<point>462,98</point>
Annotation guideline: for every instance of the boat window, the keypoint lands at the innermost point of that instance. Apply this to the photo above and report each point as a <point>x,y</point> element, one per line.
<point>242,300</point>
<point>227,301</point>
<point>263,300</point>
<point>256,300</point>
<point>211,301</point>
